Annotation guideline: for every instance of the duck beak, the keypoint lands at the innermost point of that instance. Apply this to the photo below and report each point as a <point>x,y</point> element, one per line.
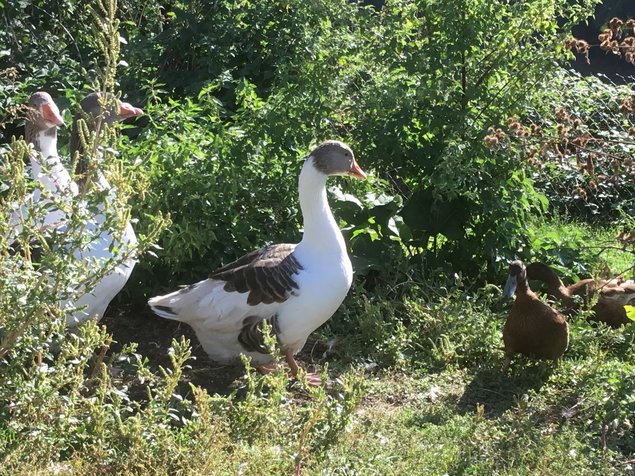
<point>127,110</point>
<point>356,171</point>
<point>51,114</point>
<point>510,287</point>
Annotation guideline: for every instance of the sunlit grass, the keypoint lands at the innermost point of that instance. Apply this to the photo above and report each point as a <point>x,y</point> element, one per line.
<point>579,250</point>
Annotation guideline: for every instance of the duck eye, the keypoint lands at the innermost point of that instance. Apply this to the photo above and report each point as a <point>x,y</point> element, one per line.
<point>346,154</point>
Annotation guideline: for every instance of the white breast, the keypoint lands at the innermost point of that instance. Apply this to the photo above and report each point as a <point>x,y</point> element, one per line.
<point>323,285</point>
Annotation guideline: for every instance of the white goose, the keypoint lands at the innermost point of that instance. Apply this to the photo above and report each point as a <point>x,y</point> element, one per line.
<point>40,130</point>
<point>103,246</point>
<point>295,288</point>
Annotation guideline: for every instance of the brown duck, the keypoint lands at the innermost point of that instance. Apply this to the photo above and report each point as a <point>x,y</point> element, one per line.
<point>612,295</point>
<point>533,328</point>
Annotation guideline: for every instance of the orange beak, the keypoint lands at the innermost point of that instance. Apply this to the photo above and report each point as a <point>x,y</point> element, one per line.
<point>356,171</point>
<point>51,113</point>
<point>126,110</point>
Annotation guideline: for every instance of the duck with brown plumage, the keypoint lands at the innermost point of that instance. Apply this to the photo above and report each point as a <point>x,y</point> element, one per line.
<point>533,328</point>
<point>612,294</point>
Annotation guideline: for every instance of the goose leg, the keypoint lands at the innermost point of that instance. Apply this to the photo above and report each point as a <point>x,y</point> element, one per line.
<point>311,378</point>
<point>266,369</point>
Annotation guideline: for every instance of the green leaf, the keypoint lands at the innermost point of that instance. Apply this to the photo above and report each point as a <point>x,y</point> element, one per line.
<point>429,215</point>
<point>630,312</point>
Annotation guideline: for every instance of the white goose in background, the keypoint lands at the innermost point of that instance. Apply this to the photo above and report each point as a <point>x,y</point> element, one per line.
<point>295,288</point>
<point>104,246</point>
<point>40,130</point>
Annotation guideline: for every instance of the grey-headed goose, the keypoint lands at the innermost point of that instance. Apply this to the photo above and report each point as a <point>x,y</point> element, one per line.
<point>294,287</point>
<point>612,295</point>
<point>40,130</point>
<point>98,110</point>
<point>103,245</point>
<point>533,328</point>
<point>49,174</point>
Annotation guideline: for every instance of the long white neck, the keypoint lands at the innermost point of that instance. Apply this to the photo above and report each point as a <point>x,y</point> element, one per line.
<point>45,142</point>
<point>57,178</point>
<point>321,232</point>
<point>48,142</point>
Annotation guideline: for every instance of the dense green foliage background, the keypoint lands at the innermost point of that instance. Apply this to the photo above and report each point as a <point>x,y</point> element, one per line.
<point>236,92</point>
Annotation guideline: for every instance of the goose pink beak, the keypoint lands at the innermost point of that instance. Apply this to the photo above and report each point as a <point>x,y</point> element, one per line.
<point>126,110</point>
<point>356,171</point>
<point>51,113</point>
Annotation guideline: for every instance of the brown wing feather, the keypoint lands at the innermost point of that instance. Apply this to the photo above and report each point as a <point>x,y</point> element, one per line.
<point>251,336</point>
<point>603,291</point>
<point>266,274</point>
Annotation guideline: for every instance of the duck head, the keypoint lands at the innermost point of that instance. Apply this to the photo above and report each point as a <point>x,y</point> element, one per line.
<point>333,157</point>
<point>517,274</point>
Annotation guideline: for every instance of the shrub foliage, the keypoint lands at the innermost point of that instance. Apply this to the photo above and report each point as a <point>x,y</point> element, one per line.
<point>235,93</point>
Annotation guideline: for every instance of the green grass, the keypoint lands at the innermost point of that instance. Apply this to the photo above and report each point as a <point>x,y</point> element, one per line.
<point>579,250</point>
<point>431,430</point>
<point>417,389</point>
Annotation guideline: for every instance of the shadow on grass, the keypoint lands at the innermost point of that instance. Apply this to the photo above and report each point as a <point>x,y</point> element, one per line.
<point>153,336</point>
<point>499,391</point>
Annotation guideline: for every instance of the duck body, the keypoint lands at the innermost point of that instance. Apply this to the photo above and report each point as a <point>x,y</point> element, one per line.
<point>612,295</point>
<point>295,288</point>
<point>533,328</point>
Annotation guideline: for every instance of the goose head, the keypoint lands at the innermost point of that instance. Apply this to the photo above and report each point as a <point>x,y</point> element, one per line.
<point>107,109</point>
<point>517,274</point>
<point>43,118</point>
<point>333,157</point>
<point>94,104</point>
<point>44,113</point>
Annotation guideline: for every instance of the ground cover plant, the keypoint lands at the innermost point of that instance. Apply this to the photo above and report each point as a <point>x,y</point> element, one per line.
<point>235,93</point>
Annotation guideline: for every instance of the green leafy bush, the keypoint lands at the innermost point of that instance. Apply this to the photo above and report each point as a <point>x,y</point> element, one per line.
<point>71,404</point>
<point>236,92</point>
<point>577,142</point>
<point>410,85</point>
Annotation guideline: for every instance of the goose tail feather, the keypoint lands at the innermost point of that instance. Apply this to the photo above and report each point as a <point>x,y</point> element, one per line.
<point>175,305</point>
<point>163,307</point>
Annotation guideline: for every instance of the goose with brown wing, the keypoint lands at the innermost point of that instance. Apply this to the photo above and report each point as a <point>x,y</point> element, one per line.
<point>295,288</point>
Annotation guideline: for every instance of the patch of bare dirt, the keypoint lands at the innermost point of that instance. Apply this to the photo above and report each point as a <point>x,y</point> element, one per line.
<point>153,336</point>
